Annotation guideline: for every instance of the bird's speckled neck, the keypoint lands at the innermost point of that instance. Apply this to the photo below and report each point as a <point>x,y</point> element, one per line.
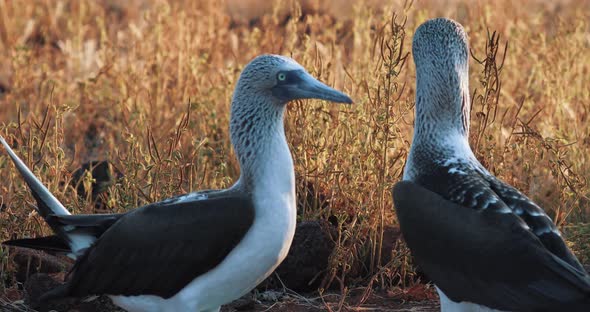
<point>441,54</point>
<point>256,123</point>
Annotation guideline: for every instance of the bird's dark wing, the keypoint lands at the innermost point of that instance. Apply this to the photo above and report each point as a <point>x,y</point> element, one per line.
<point>158,249</point>
<point>103,221</point>
<point>473,187</point>
<point>486,257</point>
<point>537,220</point>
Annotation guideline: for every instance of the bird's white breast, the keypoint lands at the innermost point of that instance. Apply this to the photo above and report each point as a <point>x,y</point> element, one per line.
<point>261,250</point>
<point>448,305</point>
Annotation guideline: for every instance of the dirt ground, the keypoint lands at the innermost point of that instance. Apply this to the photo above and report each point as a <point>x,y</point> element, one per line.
<point>282,302</point>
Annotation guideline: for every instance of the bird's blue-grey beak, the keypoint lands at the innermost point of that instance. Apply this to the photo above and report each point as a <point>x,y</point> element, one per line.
<point>298,84</point>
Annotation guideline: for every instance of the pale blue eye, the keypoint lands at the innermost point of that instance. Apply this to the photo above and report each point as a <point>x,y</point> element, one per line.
<point>282,76</point>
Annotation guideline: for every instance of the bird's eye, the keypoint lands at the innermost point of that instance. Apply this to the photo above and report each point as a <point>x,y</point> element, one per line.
<point>281,76</point>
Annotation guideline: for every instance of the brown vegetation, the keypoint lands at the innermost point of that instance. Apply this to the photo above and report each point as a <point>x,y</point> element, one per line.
<point>147,86</point>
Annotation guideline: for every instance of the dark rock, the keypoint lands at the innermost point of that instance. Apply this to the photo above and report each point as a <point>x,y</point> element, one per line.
<point>100,304</point>
<point>391,237</point>
<point>29,262</point>
<point>39,284</point>
<point>306,264</point>
<point>36,285</point>
<point>245,303</point>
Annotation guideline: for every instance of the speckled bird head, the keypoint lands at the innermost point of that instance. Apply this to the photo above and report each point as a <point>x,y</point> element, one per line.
<point>264,88</point>
<point>261,74</point>
<point>441,54</point>
<point>279,79</point>
<point>440,44</point>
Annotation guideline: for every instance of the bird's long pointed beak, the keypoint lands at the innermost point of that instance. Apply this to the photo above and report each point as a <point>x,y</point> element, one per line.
<point>305,86</point>
<point>309,87</point>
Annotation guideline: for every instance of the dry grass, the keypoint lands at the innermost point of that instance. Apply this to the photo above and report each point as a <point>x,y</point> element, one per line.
<point>147,86</point>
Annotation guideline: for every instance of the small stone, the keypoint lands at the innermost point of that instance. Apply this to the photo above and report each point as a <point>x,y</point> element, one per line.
<point>36,285</point>
<point>29,262</point>
<point>304,267</point>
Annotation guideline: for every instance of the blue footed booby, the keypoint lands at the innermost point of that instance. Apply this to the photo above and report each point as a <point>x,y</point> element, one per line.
<point>197,251</point>
<point>485,245</point>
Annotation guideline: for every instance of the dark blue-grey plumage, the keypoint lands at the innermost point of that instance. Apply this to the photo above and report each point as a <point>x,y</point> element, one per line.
<point>485,257</point>
<point>472,186</point>
<point>187,243</point>
<point>483,243</point>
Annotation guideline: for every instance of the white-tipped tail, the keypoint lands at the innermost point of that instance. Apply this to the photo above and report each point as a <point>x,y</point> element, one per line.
<point>48,206</point>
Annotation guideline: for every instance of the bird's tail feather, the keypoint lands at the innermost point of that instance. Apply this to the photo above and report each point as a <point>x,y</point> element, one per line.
<point>47,203</point>
<point>48,207</point>
<point>48,243</point>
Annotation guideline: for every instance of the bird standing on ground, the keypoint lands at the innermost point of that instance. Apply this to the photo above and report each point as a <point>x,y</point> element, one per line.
<point>197,251</point>
<point>485,245</point>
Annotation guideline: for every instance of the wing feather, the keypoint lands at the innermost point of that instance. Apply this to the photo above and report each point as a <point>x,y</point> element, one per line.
<point>486,257</point>
<point>534,216</point>
<point>473,187</point>
<point>158,249</point>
